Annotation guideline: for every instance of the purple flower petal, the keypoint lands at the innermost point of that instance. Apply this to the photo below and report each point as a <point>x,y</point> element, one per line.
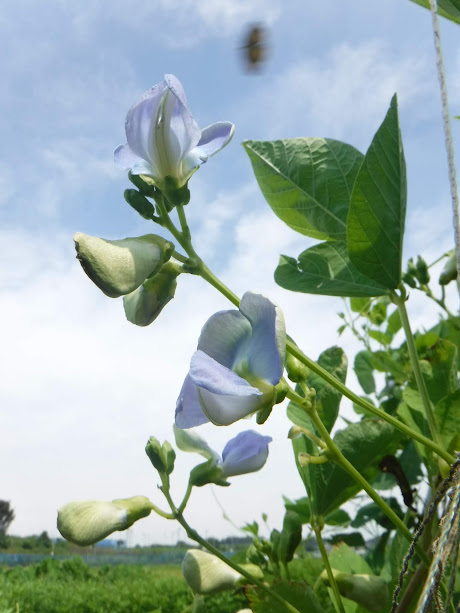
<point>267,347</point>
<point>182,130</point>
<point>188,407</point>
<point>140,122</point>
<point>224,336</point>
<point>225,410</point>
<point>208,374</point>
<point>127,160</point>
<point>245,453</point>
<point>213,139</point>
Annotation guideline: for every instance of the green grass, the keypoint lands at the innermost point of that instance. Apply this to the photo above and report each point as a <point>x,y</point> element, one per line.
<point>71,586</point>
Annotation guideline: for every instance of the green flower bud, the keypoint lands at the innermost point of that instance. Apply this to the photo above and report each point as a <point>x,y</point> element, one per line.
<point>422,274</point>
<point>275,536</point>
<point>449,272</point>
<point>144,304</point>
<point>119,267</point>
<point>291,536</point>
<point>88,521</point>
<point>368,591</point>
<point>205,473</point>
<point>161,456</point>
<point>409,280</point>
<point>146,188</point>
<point>140,203</point>
<point>255,556</point>
<point>296,371</point>
<point>206,574</point>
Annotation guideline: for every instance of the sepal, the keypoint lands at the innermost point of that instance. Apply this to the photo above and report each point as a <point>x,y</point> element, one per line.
<point>207,472</point>
<point>162,457</point>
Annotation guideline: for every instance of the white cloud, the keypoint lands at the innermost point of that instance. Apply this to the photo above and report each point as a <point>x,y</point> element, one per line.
<point>344,93</point>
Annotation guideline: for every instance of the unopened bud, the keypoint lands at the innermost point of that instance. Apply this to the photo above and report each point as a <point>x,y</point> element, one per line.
<point>144,304</point>
<point>119,267</point>
<point>206,573</point>
<point>88,521</point>
<point>449,272</point>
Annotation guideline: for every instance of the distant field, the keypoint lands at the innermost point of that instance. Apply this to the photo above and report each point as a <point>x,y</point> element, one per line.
<point>70,586</point>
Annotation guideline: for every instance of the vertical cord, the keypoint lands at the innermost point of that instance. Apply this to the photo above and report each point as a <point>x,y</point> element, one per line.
<point>447,133</point>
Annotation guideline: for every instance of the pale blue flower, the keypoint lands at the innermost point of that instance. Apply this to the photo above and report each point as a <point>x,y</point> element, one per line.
<point>164,139</point>
<point>239,361</point>
<point>245,453</point>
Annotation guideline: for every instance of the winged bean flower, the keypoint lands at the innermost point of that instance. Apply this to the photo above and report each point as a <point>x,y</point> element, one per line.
<point>163,138</point>
<point>246,453</point>
<point>238,362</point>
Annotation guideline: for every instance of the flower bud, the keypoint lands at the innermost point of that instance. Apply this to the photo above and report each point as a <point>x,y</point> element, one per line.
<point>422,274</point>
<point>119,267</point>
<point>205,573</point>
<point>207,472</point>
<point>140,203</point>
<point>88,521</point>
<point>144,304</point>
<point>449,272</point>
<point>296,370</point>
<point>368,591</point>
<point>291,536</point>
<point>161,456</point>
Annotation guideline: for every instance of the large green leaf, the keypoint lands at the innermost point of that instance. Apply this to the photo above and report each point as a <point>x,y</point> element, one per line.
<point>363,444</point>
<point>450,9</point>
<point>325,269</point>
<point>307,182</point>
<point>450,329</point>
<point>375,225</point>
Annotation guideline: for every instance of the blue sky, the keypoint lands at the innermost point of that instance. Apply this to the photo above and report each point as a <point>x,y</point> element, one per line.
<point>82,389</point>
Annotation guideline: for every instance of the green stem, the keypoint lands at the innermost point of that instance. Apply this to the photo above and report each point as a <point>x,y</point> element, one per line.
<point>400,302</point>
<point>365,404</point>
<point>330,574</point>
<point>183,504</point>
<point>181,258</point>
<point>341,460</point>
<point>193,534</point>
<point>158,511</point>
<point>211,278</point>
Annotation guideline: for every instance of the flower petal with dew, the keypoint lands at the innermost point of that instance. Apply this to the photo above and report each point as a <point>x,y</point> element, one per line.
<point>163,138</point>
<point>238,362</point>
<point>245,453</point>
<point>86,522</point>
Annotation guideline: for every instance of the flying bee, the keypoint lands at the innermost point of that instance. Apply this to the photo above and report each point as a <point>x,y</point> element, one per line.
<point>255,47</point>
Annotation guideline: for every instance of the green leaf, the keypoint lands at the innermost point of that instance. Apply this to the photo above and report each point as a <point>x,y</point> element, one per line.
<point>343,558</point>
<point>301,506</point>
<point>383,362</point>
<point>352,539</point>
<point>380,337</point>
<point>450,9</point>
<point>328,398</point>
<point>300,595</point>
<point>375,225</point>
<point>394,323</point>
<point>450,329</point>
<point>339,517</point>
<point>307,182</point>
<point>442,381</point>
<point>360,305</point>
<point>447,413</point>
<point>325,269</point>
<point>412,413</point>
<point>372,512</point>
<point>364,369</point>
